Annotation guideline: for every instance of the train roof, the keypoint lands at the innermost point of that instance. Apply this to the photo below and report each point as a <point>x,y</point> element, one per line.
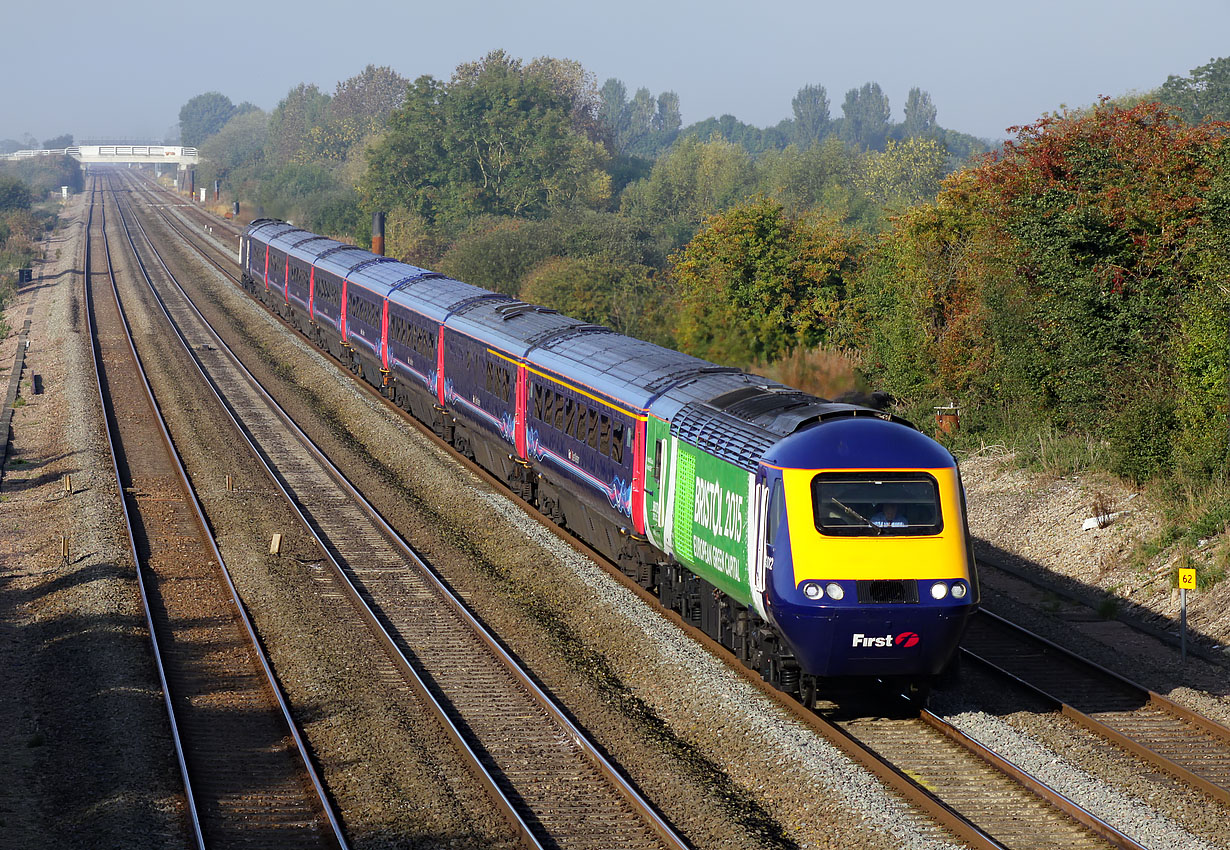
<point>266,229</point>
<point>840,442</point>
<point>623,368</point>
<point>508,324</point>
<point>344,260</point>
<point>434,295</point>
<point>737,416</point>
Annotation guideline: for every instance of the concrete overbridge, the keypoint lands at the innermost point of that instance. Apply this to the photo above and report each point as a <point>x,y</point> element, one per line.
<point>181,157</point>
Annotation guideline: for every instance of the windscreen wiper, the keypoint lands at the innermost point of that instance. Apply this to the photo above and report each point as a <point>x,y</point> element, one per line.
<point>851,512</point>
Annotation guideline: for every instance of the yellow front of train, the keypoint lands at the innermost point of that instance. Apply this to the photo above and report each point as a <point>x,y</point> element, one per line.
<point>872,569</point>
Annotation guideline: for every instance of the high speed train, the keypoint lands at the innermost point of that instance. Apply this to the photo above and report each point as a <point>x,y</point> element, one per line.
<point>823,543</point>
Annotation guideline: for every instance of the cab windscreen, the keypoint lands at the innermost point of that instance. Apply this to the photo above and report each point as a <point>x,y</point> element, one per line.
<point>873,504</point>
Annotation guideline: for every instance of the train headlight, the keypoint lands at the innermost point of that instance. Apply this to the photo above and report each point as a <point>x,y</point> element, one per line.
<point>939,590</point>
<point>812,590</point>
<point>835,591</point>
<point>959,590</point>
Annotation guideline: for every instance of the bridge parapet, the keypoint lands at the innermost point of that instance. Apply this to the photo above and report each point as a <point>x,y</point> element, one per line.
<point>118,154</point>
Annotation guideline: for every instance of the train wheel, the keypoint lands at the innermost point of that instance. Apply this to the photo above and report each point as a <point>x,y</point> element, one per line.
<point>807,691</point>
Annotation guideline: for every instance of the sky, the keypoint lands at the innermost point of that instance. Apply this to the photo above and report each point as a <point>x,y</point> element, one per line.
<point>987,65</point>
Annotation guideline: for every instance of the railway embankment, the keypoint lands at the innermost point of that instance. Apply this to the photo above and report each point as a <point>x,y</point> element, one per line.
<point>1088,532</point>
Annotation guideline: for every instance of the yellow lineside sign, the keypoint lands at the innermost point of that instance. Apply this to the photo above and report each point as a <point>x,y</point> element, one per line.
<point>1187,579</point>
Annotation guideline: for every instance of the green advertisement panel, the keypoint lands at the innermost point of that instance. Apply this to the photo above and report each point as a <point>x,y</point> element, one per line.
<point>710,530</point>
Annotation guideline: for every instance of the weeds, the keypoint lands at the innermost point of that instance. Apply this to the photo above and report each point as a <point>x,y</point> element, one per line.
<point>1060,453</point>
<point>1108,608</point>
<point>1101,508</point>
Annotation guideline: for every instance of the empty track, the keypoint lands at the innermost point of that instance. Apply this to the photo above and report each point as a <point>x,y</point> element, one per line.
<point>247,777</point>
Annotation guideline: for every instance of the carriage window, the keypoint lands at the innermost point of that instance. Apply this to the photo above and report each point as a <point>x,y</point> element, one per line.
<point>549,407</point>
<point>582,411</point>
<point>870,504</point>
<point>593,429</point>
<point>617,442</point>
<point>570,416</point>
<point>604,434</point>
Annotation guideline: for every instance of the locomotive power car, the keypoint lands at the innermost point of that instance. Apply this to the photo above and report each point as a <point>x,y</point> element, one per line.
<point>822,543</point>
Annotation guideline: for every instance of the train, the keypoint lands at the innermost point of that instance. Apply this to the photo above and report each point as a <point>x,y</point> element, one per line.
<point>825,544</point>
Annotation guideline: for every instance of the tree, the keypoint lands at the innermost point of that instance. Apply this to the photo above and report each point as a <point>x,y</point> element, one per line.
<point>1075,280</point>
<point>867,114</point>
<point>905,174</point>
<point>818,178</point>
<point>691,181</point>
<point>612,105</point>
<point>59,142</point>
<point>641,126</point>
<point>919,114</point>
<point>237,150</point>
<point>14,194</point>
<point>291,123</point>
<point>668,119</point>
<point>600,290</point>
<point>578,87</point>
<point>1203,95</point>
<point>357,111</point>
<point>497,140</point>
<point>641,111</point>
<point>755,283</point>
<point>204,115</point>
<point>811,114</point>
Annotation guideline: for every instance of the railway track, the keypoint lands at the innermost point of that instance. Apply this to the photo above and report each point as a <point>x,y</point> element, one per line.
<point>552,783</point>
<point>929,762</point>
<point>246,773</point>
<point>1149,726</point>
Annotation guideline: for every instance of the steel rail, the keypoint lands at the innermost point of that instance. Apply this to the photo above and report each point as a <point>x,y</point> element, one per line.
<point>1196,645</point>
<point>301,746</point>
<point>654,821</point>
<point>1126,687</point>
<point>1057,799</point>
<point>410,673</point>
<point>193,814</point>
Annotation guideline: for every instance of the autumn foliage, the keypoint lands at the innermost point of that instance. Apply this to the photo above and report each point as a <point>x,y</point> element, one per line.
<point>1078,278</point>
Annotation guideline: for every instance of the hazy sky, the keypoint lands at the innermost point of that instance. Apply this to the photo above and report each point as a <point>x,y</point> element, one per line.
<point>987,65</point>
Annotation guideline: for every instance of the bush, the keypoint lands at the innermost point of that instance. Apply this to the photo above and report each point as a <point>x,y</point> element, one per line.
<point>1142,437</point>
